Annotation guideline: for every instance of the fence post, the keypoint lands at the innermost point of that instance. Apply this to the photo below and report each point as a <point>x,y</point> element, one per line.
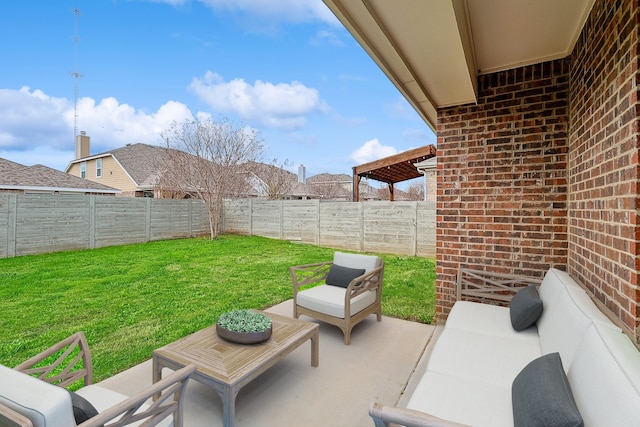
<point>281,220</point>
<point>12,211</point>
<point>361,213</point>
<point>318,217</point>
<point>92,222</point>
<point>190,214</point>
<point>250,217</point>
<point>415,231</point>
<point>147,231</point>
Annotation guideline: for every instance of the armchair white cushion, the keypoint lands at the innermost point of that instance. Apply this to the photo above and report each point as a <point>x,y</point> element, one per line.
<point>340,306</point>
<point>44,404</point>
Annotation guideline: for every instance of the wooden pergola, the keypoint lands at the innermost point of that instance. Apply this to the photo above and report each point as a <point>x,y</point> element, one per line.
<point>393,169</point>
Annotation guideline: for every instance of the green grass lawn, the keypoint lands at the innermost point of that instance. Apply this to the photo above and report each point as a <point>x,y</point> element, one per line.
<point>131,299</point>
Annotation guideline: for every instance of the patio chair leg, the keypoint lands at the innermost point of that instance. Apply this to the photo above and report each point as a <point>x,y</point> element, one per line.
<point>347,336</point>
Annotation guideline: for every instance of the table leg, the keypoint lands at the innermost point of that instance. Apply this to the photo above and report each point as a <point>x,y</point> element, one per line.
<point>314,348</point>
<point>156,375</point>
<point>228,397</point>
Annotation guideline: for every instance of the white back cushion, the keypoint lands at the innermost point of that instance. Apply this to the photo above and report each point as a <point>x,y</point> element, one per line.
<point>368,262</point>
<point>605,378</point>
<point>562,326</point>
<point>46,405</point>
<point>554,281</point>
<point>567,312</point>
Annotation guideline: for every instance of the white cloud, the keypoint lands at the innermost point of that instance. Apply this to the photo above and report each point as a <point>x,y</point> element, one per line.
<point>32,117</point>
<point>117,124</point>
<point>279,105</point>
<point>323,37</point>
<point>38,128</point>
<point>284,11</point>
<point>372,150</point>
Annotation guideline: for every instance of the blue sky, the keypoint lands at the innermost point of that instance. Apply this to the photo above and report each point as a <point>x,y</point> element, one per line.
<point>286,68</point>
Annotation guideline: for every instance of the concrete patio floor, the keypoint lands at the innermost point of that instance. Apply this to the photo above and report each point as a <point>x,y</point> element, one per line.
<point>376,367</point>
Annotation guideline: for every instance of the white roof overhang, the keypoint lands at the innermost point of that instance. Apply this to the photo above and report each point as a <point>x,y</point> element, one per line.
<point>433,50</point>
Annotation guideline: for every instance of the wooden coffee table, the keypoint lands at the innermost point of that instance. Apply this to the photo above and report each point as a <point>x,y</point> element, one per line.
<point>227,367</point>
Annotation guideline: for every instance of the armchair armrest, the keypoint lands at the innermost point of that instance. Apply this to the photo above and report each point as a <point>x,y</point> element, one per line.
<point>72,363</point>
<point>171,394</point>
<point>487,285</point>
<point>10,418</point>
<point>309,274</point>
<point>367,282</point>
<point>383,415</point>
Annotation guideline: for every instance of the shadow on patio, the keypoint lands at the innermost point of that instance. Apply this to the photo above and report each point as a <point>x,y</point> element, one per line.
<point>375,367</point>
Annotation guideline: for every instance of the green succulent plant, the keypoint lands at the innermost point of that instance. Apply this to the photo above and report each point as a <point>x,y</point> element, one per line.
<point>244,321</point>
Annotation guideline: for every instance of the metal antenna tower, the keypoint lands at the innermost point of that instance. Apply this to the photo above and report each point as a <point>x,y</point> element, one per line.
<point>75,74</point>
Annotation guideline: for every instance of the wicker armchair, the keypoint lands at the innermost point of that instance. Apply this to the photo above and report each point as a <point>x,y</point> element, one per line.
<point>343,304</point>
<point>67,362</point>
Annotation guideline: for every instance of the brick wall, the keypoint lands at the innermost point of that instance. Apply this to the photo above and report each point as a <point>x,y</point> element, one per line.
<point>603,159</point>
<point>502,187</point>
<point>543,171</point>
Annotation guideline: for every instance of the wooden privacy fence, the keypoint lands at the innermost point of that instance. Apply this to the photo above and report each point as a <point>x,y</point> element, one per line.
<point>41,223</point>
<point>404,228</point>
<point>34,223</point>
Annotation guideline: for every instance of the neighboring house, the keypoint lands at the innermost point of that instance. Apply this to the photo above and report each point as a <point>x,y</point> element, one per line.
<point>328,186</point>
<point>135,170</point>
<point>274,182</point>
<point>428,168</point>
<point>17,178</point>
<point>132,168</point>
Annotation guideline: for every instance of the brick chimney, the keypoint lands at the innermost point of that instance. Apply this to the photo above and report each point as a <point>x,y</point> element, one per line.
<point>82,145</point>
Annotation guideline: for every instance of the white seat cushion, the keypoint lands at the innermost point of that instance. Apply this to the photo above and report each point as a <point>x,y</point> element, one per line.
<point>605,378</point>
<point>330,300</point>
<point>368,262</point>
<point>487,319</point>
<point>463,400</point>
<point>483,358</point>
<point>46,405</point>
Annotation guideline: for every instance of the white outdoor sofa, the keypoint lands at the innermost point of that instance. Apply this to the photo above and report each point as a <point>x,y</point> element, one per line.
<point>482,372</point>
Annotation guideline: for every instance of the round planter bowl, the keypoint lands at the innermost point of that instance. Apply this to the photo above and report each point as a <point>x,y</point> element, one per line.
<point>243,337</point>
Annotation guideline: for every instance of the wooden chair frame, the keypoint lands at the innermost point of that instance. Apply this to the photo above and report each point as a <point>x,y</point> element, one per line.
<point>314,274</point>
<point>67,369</point>
<point>489,287</point>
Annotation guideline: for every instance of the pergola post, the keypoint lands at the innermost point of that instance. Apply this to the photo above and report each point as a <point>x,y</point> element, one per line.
<point>356,186</point>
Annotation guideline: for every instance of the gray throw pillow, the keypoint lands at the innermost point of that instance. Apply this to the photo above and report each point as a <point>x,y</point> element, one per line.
<point>342,276</point>
<point>525,308</point>
<point>82,408</point>
<point>541,395</point>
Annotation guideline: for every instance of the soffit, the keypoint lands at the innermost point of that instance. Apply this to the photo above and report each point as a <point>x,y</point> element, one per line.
<point>433,50</point>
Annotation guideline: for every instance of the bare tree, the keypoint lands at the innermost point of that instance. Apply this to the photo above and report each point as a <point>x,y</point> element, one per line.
<point>416,191</point>
<point>278,181</point>
<point>208,160</point>
<point>331,187</point>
